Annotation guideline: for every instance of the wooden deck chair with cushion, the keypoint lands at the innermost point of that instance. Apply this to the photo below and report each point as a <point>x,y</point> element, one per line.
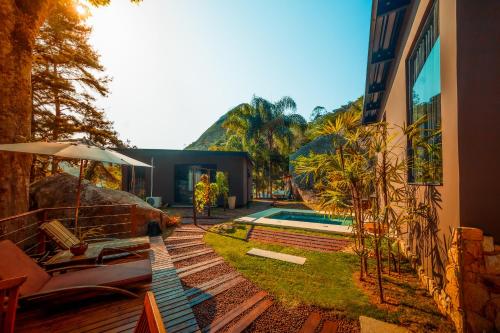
<point>89,281</point>
<point>9,295</point>
<point>150,320</point>
<point>65,239</point>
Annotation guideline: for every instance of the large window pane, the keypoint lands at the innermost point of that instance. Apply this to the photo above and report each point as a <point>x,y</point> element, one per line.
<point>424,146</point>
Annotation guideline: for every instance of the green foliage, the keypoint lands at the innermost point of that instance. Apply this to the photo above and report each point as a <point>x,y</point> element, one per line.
<point>222,185</point>
<point>205,193</point>
<point>268,131</point>
<point>214,135</point>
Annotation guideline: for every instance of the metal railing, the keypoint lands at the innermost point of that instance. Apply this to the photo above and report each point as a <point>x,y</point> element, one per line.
<point>116,221</point>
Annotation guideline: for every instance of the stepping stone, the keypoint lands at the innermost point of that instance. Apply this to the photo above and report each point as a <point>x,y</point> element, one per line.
<point>370,325</point>
<point>277,255</point>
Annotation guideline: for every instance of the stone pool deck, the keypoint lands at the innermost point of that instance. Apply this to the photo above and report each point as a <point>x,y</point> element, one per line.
<point>261,218</point>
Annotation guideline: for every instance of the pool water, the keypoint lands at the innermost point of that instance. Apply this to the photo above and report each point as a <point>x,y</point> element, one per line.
<point>310,217</point>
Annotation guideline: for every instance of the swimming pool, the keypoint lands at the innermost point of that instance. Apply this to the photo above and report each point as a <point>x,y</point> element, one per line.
<point>299,219</point>
<point>310,217</point>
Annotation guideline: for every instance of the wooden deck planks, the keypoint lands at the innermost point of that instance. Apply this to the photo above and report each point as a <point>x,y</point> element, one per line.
<point>250,317</point>
<point>171,297</point>
<point>312,322</point>
<point>220,323</point>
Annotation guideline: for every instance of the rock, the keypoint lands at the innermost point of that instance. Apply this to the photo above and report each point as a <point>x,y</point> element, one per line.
<point>60,191</point>
<point>476,295</point>
<point>472,234</point>
<point>477,323</point>
<point>492,264</point>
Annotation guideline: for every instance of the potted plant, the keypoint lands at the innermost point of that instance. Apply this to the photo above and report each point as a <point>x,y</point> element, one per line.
<point>80,248</point>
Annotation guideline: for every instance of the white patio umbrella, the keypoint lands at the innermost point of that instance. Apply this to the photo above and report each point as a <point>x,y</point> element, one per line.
<point>73,150</point>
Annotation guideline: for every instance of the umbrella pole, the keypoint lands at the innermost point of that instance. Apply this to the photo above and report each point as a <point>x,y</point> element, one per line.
<point>78,192</point>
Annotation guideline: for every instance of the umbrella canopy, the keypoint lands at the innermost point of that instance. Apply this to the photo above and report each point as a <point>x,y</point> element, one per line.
<point>73,150</point>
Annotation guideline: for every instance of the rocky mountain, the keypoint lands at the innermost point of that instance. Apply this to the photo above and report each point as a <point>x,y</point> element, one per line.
<point>211,136</point>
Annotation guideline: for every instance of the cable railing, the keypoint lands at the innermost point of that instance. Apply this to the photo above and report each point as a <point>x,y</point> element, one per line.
<point>117,221</point>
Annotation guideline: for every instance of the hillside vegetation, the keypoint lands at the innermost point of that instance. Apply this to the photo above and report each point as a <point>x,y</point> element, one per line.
<point>212,136</point>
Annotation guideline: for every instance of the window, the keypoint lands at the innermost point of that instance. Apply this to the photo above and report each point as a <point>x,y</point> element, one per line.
<point>424,109</point>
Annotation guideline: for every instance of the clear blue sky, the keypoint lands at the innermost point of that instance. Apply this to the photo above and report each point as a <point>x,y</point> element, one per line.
<point>178,65</point>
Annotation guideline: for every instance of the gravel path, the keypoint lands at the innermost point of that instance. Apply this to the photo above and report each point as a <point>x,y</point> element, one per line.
<point>277,318</point>
<point>221,304</point>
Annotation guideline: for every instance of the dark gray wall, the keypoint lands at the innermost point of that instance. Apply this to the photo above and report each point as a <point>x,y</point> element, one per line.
<point>236,164</point>
<point>478,85</point>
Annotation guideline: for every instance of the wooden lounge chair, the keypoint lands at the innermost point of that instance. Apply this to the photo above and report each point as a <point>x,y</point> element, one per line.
<point>86,282</point>
<point>150,320</point>
<point>65,239</point>
<point>9,294</point>
<point>96,250</point>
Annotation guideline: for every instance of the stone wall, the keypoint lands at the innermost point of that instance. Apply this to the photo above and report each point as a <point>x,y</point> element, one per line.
<point>471,295</point>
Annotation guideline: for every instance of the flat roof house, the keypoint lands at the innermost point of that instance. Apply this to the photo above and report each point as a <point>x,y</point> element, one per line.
<point>173,173</point>
<point>437,62</point>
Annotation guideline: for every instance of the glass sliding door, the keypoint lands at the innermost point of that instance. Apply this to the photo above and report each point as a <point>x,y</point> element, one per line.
<point>184,180</point>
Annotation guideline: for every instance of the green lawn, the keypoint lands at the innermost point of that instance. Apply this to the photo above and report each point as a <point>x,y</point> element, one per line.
<point>325,279</point>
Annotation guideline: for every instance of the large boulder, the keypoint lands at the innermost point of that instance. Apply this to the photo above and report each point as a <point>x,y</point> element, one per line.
<point>60,191</point>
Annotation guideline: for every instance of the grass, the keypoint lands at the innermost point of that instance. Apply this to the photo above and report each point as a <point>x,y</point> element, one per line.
<point>325,280</point>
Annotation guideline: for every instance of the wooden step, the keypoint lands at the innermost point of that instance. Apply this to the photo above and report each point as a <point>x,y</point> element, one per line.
<point>329,327</point>
<point>190,255</point>
<point>215,291</point>
<point>250,317</point>
<point>222,322</point>
<point>210,284</point>
<point>183,245</point>
<point>188,270</point>
<point>302,244</point>
<point>173,238</point>
<point>190,230</point>
<point>300,236</point>
<point>311,323</point>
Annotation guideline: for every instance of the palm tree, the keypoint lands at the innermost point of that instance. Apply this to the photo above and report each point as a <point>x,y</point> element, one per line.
<point>263,124</point>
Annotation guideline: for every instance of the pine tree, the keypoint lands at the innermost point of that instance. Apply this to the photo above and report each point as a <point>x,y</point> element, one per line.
<point>66,77</point>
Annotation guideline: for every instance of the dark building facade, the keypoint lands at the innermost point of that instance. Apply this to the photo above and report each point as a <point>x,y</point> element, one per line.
<point>173,173</point>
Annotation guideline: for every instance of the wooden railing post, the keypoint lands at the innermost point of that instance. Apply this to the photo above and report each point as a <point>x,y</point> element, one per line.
<point>41,235</point>
<point>133,220</point>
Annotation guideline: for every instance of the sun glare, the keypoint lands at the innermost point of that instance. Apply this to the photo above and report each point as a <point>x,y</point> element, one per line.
<point>82,10</point>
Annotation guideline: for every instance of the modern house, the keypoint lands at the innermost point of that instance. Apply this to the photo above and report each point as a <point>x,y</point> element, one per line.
<point>436,64</point>
<point>175,171</point>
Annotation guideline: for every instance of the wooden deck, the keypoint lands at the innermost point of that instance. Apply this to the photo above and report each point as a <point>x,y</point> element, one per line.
<point>115,313</point>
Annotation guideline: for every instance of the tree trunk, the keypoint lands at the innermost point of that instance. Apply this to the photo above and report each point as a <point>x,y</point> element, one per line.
<point>57,122</point>
<point>20,21</point>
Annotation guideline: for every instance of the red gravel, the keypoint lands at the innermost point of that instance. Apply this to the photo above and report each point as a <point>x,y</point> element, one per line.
<point>174,252</point>
<point>281,319</point>
<point>206,275</point>
<point>195,260</point>
<point>221,304</point>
